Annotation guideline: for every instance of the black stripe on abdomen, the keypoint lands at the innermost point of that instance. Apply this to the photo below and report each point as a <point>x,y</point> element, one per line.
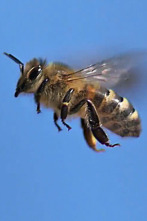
<point>107,101</point>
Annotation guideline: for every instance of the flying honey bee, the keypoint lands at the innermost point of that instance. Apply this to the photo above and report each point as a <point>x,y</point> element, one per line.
<point>82,94</point>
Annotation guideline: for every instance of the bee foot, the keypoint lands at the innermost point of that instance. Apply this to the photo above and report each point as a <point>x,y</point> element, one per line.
<point>68,127</point>
<point>38,111</point>
<point>38,108</point>
<point>112,145</point>
<point>59,129</point>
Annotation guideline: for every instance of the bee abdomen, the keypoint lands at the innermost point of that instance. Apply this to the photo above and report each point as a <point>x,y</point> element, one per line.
<point>107,101</point>
<point>131,126</point>
<point>118,114</point>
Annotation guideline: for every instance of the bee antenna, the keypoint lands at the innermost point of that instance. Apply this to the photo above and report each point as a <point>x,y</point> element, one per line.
<point>21,65</point>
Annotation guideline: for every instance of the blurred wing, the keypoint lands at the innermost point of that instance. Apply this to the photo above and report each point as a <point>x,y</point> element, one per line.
<point>110,72</point>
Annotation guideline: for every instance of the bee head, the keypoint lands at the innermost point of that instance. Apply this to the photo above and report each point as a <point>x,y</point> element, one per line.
<point>31,75</point>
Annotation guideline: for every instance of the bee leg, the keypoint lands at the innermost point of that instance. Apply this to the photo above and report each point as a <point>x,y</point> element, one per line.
<point>55,121</point>
<point>95,126</point>
<point>64,108</point>
<point>77,107</point>
<point>38,94</point>
<point>90,139</point>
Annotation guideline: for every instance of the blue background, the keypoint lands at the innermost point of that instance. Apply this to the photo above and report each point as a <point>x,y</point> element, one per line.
<point>46,175</point>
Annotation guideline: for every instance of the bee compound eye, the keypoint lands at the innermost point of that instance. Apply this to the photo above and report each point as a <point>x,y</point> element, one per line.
<point>34,72</point>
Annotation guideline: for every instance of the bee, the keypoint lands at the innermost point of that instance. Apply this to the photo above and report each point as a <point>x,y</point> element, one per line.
<point>82,94</point>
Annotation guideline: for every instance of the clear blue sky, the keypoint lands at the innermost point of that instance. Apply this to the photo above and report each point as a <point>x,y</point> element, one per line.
<point>46,175</point>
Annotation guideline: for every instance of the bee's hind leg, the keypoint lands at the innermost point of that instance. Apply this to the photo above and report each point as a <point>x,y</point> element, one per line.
<point>89,137</point>
<point>64,108</point>
<point>95,126</point>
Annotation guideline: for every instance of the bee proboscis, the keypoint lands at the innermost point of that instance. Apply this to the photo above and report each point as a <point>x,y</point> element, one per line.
<point>82,94</point>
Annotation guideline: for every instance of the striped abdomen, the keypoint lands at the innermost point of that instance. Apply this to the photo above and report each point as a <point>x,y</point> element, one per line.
<point>117,113</point>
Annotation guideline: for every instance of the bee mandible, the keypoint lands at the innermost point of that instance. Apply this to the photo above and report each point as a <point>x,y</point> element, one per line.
<point>82,94</point>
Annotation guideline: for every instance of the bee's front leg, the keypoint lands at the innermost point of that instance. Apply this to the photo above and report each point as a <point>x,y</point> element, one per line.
<point>64,108</point>
<point>38,94</point>
<point>55,121</point>
<point>95,126</point>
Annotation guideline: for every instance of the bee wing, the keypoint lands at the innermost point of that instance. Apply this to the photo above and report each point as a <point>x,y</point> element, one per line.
<point>110,72</point>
